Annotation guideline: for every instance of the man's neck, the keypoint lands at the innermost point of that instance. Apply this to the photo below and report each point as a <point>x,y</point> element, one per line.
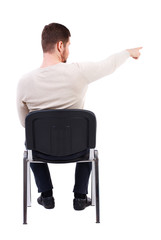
<point>50,60</point>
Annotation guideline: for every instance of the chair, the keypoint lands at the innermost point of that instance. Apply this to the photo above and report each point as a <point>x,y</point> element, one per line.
<point>60,133</point>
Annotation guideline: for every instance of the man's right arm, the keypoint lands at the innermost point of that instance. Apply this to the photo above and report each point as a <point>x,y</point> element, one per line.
<point>93,71</point>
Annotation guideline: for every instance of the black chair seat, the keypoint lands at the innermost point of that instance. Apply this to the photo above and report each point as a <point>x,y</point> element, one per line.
<point>81,156</point>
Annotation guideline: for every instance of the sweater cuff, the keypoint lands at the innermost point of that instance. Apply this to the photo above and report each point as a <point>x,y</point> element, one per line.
<point>127,53</point>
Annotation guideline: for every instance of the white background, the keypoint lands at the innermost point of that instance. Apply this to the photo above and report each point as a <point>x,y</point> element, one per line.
<point>127,106</point>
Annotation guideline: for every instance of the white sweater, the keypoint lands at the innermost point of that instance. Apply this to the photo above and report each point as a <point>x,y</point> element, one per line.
<point>62,85</point>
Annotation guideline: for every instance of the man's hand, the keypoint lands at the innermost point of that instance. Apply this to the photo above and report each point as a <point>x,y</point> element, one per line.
<point>134,52</point>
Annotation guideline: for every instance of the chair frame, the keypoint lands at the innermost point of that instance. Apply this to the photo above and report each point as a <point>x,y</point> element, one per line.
<point>28,158</point>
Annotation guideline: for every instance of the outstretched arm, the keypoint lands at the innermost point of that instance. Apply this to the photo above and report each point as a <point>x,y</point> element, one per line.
<point>96,70</point>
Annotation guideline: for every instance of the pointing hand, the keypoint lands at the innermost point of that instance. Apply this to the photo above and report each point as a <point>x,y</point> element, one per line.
<point>134,52</point>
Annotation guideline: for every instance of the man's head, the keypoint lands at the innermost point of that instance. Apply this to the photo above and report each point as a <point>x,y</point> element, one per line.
<point>56,39</point>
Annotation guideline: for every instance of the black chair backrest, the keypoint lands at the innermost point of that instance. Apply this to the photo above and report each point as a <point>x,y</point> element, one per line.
<point>60,132</point>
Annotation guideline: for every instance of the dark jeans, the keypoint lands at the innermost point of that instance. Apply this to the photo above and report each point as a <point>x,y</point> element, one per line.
<point>44,182</point>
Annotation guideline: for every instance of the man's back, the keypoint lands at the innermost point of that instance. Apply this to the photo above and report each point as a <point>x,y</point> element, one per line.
<point>54,87</point>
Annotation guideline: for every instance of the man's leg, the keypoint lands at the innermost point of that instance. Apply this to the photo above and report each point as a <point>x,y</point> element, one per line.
<point>82,174</point>
<point>42,176</point>
<point>44,184</point>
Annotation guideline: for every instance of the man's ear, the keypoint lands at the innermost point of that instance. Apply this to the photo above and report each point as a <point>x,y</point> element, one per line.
<point>60,46</point>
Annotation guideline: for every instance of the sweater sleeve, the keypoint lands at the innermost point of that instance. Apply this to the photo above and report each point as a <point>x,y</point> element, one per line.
<point>93,71</point>
<point>21,105</point>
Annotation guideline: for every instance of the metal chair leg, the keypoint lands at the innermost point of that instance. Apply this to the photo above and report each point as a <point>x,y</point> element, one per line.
<point>97,187</point>
<point>28,185</point>
<point>93,192</point>
<point>25,188</point>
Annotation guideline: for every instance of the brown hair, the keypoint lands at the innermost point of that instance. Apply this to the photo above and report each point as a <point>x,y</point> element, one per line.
<point>53,33</point>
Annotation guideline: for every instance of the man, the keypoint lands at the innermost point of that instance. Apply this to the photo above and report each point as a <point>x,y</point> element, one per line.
<point>56,85</point>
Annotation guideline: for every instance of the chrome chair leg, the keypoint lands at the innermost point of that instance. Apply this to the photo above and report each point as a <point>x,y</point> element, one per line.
<point>93,192</point>
<point>25,188</point>
<point>28,185</point>
<point>97,187</point>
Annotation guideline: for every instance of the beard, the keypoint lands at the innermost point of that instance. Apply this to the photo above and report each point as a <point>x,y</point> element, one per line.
<point>64,57</point>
